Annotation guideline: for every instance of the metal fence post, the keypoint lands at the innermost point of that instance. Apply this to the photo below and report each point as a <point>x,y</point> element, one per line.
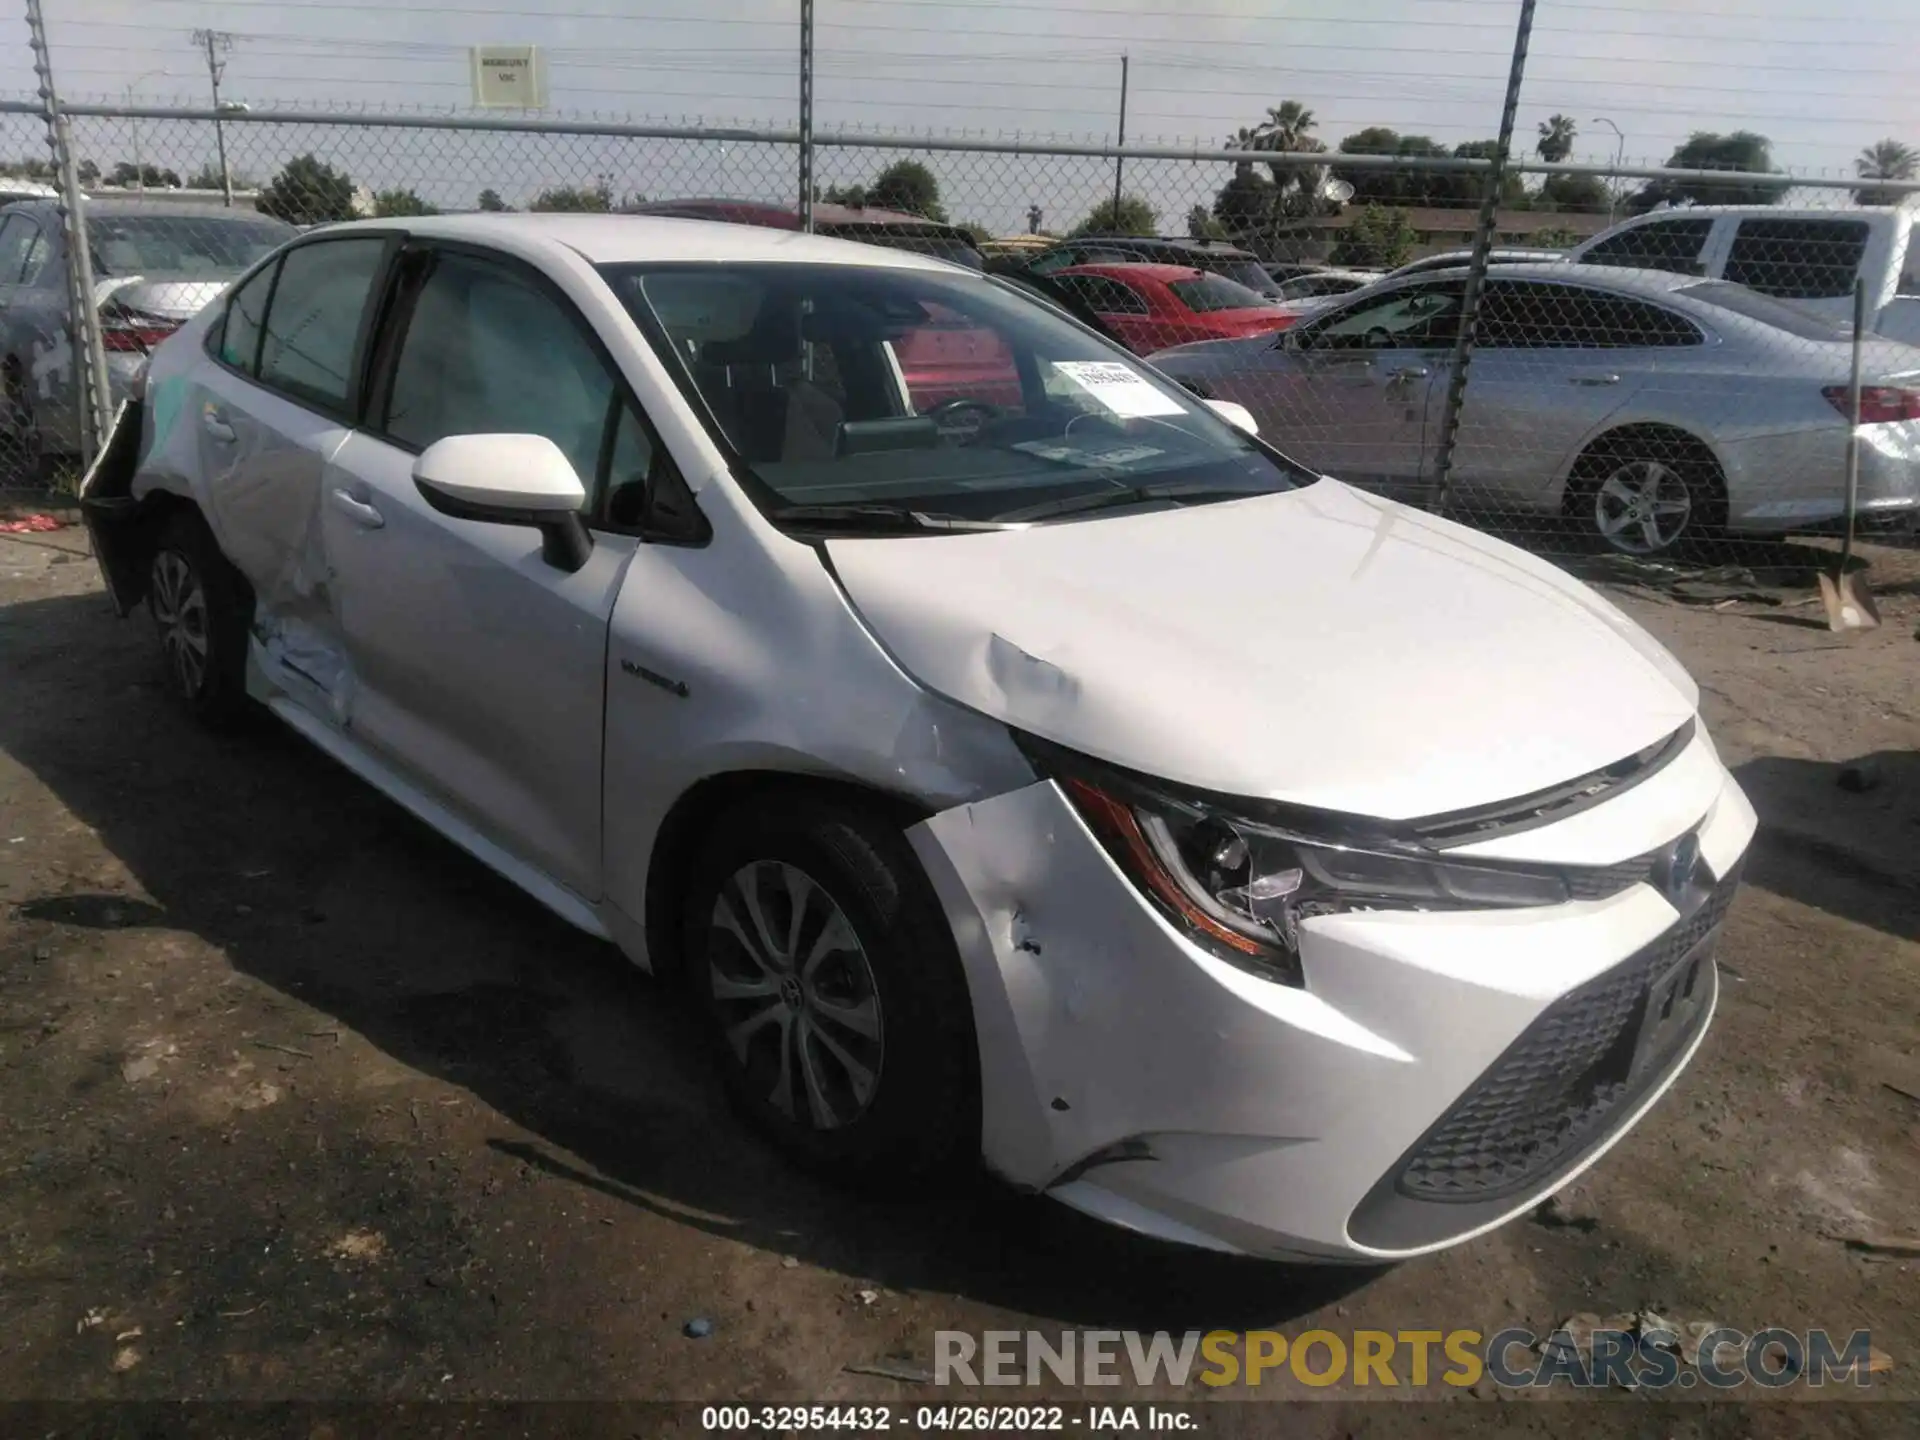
<point>806,115</point>
<point>1477,267</point>
<point>93,411</point>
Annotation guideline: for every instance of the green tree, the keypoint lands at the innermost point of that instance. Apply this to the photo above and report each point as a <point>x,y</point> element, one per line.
<point>1741,153</point>
<point>308,192</point>
<point>1586,194</point>
<point>1885,160</point>
<point>908,186</point>
<point>1469,189</point>
<point>401,202</point>
<point>1399,186</point>
<point>127,175</point>
<point>853,195</point>
<point>89,173</point>
<point>977,232</point>
<point>1132,216</point>
<point>207,177</point>
<point>1247,202</point>
<point>1380,238</point>
<point>1557,134</point>
<point>491,202</point>
<point>598,199</point>
<point>1296,188</point>
<point>1202,225</point>
<point>1559,237</point>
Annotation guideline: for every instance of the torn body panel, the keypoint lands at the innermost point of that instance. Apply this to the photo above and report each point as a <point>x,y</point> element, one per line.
<point>1149,1082</point>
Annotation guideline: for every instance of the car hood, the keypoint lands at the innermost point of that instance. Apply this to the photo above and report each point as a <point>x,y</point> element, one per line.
<point>1321,646</point>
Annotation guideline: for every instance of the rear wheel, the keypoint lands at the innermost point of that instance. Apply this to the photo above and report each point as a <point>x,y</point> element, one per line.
<point>202,609</point>
<point>837,1009</point>
<point>1644,493</point>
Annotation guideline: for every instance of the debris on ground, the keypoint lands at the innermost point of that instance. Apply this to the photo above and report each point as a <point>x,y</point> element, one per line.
<point>125,1360</point>
<point>698,1328</point>
<point>867,1297</point>
<point>359,1245</point>
<point>1571,1209</point>
<point>892,1370</point>
<point>32,525</point>
<point>1905,1245</point>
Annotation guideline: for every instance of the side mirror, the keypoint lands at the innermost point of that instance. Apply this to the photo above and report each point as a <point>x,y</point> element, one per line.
<point>509,480</point>
<point>1237,416</point>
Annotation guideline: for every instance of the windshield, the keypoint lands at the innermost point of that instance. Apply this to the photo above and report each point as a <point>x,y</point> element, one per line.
<point>208,247</point>
<point>1802,324</point>
<point>1214,292</point>
<point>925,391</point>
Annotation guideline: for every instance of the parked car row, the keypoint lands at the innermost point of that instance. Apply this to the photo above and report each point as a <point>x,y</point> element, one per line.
<point>956,759</point>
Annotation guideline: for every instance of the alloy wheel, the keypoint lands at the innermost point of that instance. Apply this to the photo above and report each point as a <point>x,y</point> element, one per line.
<point>1642,507</point>
<point>180,609</point>
<point>796,995</point>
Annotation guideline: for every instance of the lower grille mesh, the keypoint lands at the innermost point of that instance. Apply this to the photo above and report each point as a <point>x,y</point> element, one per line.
<point>1556,1087</point>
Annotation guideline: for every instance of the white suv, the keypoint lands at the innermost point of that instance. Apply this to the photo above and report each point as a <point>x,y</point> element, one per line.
<point>1048,771</point>
<point>1809,257</point>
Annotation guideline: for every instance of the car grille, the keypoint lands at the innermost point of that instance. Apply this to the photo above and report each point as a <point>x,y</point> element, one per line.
<point>1597,882</point>
<point>1558,1086</point>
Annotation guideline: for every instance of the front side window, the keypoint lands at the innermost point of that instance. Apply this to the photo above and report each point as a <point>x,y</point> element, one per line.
<point>1910,273</point>
<point>488,353</point>
<point>16,234</point>
<point>1797,259</point>
<point>1206,293</point>
<point>1085,423</point>
<point>1421,317</point>
<point>1658,245</point>
<point>35,264</point>
<point>313,322</point>
<point>1248,273</point>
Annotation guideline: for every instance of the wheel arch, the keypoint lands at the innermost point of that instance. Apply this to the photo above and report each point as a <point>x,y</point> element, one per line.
<point>691,817</point>
<point>1616,436</point>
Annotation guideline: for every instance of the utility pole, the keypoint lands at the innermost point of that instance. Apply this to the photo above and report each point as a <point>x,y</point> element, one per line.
<point>806,116</point>
<point>218,43</point>
<point>1119,161</point>
<point>1619,153</point>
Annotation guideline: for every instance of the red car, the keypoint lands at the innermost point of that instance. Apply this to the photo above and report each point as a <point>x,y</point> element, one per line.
<point>1152,307</point>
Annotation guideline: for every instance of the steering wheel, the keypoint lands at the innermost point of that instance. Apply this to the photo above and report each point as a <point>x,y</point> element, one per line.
<point>944,414</point>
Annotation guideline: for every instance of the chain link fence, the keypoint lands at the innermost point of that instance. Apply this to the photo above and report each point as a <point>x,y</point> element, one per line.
<point>1658,368</point>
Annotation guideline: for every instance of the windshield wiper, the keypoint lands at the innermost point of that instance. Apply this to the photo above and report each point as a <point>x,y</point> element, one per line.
<point>877,518</point>
<point>1133,495</point>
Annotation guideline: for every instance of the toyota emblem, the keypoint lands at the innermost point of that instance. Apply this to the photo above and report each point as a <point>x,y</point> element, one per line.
<point>1681,865</point>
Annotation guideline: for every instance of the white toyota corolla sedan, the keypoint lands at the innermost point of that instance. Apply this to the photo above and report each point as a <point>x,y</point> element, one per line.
<point>1012,754</point>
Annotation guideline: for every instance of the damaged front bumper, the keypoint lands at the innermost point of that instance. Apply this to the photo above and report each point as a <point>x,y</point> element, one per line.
<point>1401,1101</point>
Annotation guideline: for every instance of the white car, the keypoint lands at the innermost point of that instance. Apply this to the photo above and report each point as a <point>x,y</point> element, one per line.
<point>1058,777</point>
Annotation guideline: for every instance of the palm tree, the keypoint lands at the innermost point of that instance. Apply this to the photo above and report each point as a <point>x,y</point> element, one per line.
<point>1556,138</point>
<point>1289,127</point>
<point>1885,160</point>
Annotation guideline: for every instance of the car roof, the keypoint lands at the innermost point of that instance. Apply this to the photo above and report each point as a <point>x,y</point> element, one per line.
<point>1771,212</point>
<point>1135,270</point>
<point>637,239</point>
<point>1606,277</point>
<point>1219,249</point>
<point>96,206</point>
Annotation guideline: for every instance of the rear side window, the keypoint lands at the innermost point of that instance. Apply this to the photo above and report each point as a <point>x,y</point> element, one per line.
<point>1910,272</point>
<point>313,325</point>
<point>1104,296</point>
<point>1214,292</point>
<point>1522,316</point>
<point>1806,324</point>
<point>1797,259</point>
<point>240,336</point>
<point>1658,245</point>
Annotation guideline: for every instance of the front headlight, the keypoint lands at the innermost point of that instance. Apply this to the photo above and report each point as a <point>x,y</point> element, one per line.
<point>1241,886</point>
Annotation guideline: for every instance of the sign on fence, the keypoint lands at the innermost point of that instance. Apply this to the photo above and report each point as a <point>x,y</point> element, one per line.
<point>509,77</point>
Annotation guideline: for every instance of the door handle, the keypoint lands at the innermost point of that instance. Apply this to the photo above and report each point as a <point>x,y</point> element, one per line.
<point>218,428</point>
<point>1607,379</point>
<point>358,511</point>
<point>1409,372</point>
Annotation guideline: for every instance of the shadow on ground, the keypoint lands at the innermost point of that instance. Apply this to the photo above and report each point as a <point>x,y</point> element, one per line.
<point>314,884</point>
<point>1841,837</point>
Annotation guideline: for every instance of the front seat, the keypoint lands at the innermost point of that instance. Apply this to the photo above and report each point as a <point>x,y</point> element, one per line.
<point>777,413</point>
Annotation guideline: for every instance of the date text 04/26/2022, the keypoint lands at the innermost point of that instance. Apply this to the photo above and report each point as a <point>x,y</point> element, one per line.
<point>928,1419</point>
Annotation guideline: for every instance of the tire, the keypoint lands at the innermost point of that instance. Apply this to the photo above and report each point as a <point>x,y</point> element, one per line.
<point>22,456</point>
<point>873,986</point>
<point>1645,493</point>
<point>202,608</point>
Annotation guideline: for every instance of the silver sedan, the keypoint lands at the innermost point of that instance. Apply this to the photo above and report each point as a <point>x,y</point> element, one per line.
<point>1651,407</point>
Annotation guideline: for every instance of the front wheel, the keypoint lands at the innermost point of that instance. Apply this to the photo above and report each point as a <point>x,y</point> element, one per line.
<point>833,993</point>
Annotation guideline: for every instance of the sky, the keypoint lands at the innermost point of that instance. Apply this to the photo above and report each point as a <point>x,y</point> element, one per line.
<point>1821,80</point>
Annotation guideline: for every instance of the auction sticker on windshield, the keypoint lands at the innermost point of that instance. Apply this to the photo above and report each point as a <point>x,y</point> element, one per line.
<point>1119,388</point>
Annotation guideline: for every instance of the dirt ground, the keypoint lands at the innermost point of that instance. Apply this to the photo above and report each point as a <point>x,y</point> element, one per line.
<point>302,1103</point>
